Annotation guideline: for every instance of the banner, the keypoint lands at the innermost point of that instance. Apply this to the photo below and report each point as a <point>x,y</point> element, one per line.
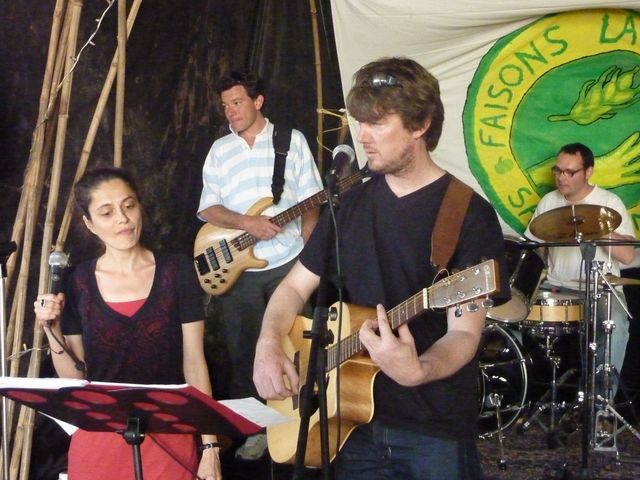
<point>517,83</point>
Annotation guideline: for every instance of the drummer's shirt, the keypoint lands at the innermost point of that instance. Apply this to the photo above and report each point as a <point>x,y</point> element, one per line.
<point>565,266</point>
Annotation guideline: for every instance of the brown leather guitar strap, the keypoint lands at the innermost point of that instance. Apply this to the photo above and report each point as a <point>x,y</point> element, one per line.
<point>446,231</point>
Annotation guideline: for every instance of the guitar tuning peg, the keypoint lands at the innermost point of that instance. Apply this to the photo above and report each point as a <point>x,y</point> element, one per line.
<point>458,311</point>
<point>487,303</point>
<point>472,307</point>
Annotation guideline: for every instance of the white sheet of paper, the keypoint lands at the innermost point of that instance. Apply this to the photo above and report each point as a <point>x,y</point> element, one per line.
<point>255,411</point>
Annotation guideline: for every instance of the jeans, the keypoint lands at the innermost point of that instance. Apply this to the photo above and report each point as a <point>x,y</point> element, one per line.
<point>377,452</point>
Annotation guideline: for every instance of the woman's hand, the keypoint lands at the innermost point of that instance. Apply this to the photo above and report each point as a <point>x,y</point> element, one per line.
<point>209,468</point>
<point>48,308</point>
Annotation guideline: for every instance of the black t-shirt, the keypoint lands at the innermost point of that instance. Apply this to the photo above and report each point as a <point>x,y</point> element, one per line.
<point>144,348</point>
<point>385,250</point>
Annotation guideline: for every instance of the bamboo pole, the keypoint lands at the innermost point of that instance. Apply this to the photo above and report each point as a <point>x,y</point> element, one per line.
<point>20,298</point>
<point>93,129</point>
<point>62,119</point>
<point>122,62</point>
<point>36,142</point>
<point>319,91</point>
<point>34,180</point>
<point>32,192</point>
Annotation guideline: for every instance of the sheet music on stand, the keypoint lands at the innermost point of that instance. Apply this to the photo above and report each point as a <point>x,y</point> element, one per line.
<point>103,406</point>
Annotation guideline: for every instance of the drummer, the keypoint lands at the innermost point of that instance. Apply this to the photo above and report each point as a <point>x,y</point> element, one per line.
<point>565,270</point>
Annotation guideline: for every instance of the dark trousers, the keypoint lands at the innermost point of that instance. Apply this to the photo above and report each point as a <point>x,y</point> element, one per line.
<point>375,452</point>
<point>242,309</point>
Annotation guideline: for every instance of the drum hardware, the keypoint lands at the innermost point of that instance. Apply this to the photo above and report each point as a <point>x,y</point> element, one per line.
<point>606,422</point>
<point>544,403</point>
<point>496,400</point>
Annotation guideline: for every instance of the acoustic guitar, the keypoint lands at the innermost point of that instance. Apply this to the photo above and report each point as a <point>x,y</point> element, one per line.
<point>220,255</point>
<point>357,371</point>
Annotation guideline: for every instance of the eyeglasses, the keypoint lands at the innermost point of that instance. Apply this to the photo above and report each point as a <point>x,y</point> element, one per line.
<point>566,172</point>
<point>383,80</point>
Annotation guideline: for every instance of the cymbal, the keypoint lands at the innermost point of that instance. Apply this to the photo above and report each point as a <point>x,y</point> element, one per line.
<point>614,280</point>
<point>589,222</point>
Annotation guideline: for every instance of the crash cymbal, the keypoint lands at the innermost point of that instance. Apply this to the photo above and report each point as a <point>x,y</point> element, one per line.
<point>614,280</point>
<point>588,222</point>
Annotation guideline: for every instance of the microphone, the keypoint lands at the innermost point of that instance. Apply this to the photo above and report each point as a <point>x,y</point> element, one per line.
<point>342,156</point>
<point>58,262</point>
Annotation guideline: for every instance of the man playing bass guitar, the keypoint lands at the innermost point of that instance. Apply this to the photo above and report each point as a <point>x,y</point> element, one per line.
<point>237,173</point>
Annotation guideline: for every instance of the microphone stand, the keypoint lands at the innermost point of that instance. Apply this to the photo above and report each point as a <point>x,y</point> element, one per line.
<point>588,252</point>
<point>6,249</point>
<point>316,369</point>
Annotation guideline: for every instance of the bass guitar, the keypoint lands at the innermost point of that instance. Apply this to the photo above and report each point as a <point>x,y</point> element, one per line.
<point>357,371</point>
<point>220,255</point>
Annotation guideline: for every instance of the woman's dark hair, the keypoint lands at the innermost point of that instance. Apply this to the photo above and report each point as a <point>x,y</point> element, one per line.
<point>90,180</point>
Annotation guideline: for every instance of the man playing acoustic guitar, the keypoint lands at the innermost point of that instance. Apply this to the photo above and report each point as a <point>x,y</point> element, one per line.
<point>425,394</point>
<point>238,172</point>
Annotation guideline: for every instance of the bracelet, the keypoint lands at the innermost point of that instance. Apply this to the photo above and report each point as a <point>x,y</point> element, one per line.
<point>206,446</point>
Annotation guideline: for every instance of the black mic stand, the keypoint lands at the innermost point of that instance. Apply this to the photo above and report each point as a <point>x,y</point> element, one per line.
<point>588,252</point>
<point>6,249</point>
<point>314,391</point>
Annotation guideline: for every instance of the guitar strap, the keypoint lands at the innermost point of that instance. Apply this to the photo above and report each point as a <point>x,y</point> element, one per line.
<point>281,141</point>
<point>446,231</point>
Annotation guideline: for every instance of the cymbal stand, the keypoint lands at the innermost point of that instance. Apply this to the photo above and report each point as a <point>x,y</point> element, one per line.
<point>604,441</point>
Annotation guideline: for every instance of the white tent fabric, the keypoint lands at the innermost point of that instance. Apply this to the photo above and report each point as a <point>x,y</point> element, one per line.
<point>452,40</point>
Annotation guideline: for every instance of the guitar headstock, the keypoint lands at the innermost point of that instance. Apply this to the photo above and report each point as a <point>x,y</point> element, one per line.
<point>474,282</point>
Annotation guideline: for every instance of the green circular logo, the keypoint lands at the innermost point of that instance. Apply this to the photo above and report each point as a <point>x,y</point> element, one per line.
<point>570,77</point>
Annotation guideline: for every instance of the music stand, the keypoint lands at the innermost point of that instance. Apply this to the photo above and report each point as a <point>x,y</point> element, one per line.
<point>131,410</point>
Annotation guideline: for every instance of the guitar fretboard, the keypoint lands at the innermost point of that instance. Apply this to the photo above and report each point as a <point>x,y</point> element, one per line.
<point>245,239</point>
<point>457,288</point>
<point>398,315</point>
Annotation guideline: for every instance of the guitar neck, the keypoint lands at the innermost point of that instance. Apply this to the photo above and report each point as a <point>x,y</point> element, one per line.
<point>246,239</point>
<point>474,282</point>
<point>399,315</point>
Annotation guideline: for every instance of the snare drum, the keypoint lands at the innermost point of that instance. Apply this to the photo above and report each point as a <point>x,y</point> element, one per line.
<point>526,272</point>
<point>554,314</point>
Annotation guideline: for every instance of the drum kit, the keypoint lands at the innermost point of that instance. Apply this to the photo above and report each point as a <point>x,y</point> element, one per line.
<point>546,317</point>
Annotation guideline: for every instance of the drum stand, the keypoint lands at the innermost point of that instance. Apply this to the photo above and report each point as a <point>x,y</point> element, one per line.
<point>607,422</point>
<point>496,401</point>
<point>543,404</point>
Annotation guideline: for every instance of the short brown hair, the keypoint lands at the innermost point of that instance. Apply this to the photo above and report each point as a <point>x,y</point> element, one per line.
<point>398,85</point>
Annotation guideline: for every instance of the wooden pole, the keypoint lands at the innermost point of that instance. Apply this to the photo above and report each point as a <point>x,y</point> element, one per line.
<point>63,116</point>
<point>36,168</point>
<point>319,91</point>
<point>122,62</point>
<point>93,129</point>
<point>36,142</point>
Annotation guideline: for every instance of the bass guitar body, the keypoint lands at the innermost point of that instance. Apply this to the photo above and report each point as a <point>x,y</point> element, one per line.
<point>229,251</point>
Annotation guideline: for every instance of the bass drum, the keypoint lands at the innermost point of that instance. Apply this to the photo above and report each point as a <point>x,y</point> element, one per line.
<point>502,382</point>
